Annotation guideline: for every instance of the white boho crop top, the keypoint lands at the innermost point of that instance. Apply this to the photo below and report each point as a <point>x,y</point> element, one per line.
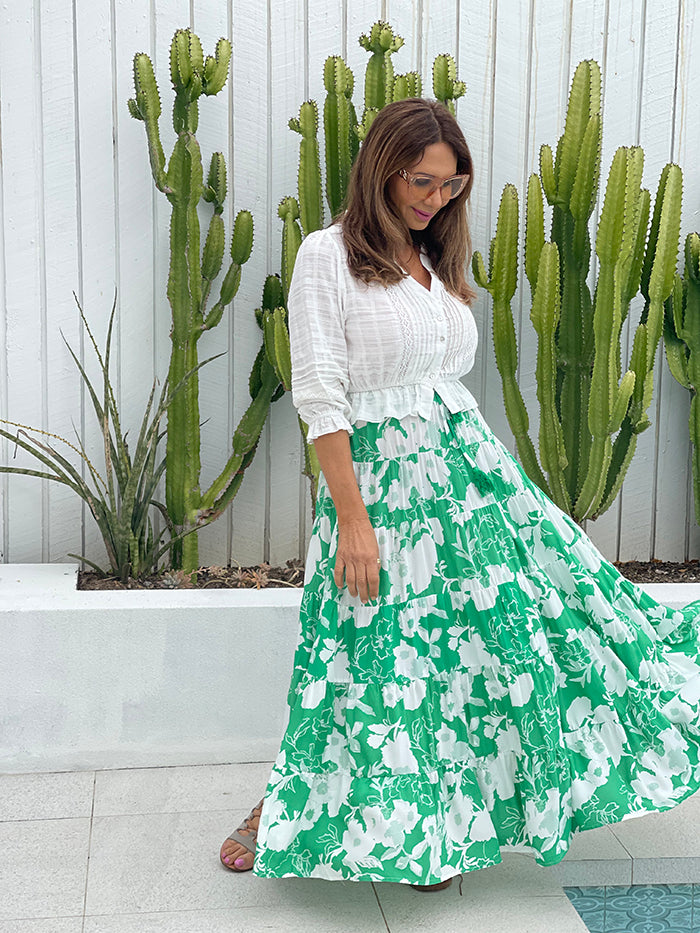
<point>369,352</point>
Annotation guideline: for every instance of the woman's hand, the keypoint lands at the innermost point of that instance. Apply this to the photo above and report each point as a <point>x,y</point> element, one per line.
<point>357,559</point>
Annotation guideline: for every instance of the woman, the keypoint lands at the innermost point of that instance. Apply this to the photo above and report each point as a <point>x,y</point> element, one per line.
<point>472,675</point>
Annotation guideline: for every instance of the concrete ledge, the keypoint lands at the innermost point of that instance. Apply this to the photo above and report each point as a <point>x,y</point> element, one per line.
<point>115,679</point>
<point>106,679</point>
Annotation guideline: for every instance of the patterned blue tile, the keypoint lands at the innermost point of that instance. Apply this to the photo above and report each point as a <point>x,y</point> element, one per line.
<point>590,905</point>
<point>649,908</point>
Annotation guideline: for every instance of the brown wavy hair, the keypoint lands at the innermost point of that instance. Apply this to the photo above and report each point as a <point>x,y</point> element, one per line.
<point>373,230</point>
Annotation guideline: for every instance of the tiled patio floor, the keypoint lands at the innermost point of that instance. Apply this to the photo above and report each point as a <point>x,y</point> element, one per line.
<point>136,851</point>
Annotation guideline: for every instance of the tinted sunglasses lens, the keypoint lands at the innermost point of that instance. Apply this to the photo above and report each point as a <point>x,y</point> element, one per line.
<point>457,185</point>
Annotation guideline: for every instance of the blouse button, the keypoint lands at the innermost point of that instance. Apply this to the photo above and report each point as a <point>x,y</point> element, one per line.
<point>442,340</point>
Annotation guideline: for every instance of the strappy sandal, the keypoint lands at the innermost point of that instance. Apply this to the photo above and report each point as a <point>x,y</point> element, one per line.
<point>248,840</point>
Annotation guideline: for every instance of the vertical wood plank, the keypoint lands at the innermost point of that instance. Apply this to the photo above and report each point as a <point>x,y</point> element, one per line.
<point>61,261</point>
<point>250,189</point>
<point>290,73</point>
<point>669,409</point>
<point>21,120</point>
<point>475,111</point>
<point>96,208</point>
<point>509,138</point>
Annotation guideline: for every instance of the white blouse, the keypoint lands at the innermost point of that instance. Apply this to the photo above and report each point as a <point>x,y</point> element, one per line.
<point>369,352</point>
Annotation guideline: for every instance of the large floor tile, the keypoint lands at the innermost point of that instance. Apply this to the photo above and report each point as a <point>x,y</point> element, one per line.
<point>672,834</point>
<point>60,795</point>
<point>345,917</point>
<point>170,862</point>
<point>600,843</point>
<point>447,912</point>
<point>666,871</point>
<point>43,864</point>
<point>587,872</point>
<point>52,925</point>
<point>177,790</point>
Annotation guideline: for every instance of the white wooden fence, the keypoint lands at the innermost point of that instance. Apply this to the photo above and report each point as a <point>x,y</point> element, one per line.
<point>80,213</point>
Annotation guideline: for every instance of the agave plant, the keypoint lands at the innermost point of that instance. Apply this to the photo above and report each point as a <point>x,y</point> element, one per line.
<point>123,499</point>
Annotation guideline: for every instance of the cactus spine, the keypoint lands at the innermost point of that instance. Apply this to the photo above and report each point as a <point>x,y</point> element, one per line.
<point>585,399</point>
<point>682,340</point>
<point>191,279</point>
<point>342,136</point>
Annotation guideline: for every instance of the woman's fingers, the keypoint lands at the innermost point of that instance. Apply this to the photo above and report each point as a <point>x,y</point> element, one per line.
<point>361,578</point>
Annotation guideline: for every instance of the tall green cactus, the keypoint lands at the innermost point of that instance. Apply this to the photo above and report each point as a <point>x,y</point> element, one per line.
<point>342,136</point>
<point>682,340</point>
<point>191,277</point>
<point>590,411</point>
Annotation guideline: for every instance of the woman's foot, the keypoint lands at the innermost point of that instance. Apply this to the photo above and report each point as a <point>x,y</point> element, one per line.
<point>238,851</point>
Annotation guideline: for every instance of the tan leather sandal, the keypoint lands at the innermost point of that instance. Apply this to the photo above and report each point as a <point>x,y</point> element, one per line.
<point>246,840</point>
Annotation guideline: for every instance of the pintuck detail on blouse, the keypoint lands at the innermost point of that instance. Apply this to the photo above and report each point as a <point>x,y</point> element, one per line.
<point>364,353</point>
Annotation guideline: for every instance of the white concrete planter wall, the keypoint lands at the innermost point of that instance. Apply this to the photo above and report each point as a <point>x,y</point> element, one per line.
<point>105,679</point>
<point>143,678</point>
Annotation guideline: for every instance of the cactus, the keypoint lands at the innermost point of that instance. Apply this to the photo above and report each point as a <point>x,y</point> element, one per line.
<point>446,87</point>
<point>191,278</point>
<point>342,136</point>
<point>379,76</point>
<point>682,341</point>
<point>408,85</point>
<point>310,197</point>
<point>585,399</point>
<point>339,120</point>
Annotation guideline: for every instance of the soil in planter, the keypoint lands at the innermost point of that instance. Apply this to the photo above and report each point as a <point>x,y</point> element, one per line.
<point>263,575</point>
<point>222,578</point>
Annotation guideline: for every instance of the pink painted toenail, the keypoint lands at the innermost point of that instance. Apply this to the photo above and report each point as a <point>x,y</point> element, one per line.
<point>239,862</point>
<point>227,859</point>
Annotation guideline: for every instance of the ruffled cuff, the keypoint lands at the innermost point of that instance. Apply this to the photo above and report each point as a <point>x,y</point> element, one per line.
<point>328,423</point>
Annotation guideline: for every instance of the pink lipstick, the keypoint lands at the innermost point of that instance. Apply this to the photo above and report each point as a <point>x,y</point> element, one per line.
<point>422,215</point>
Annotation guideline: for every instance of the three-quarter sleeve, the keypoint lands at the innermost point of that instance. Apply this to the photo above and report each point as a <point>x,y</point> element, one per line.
<point>317,336</point>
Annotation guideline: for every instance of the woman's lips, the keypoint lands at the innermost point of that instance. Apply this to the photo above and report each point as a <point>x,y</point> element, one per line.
<point>422,215</point>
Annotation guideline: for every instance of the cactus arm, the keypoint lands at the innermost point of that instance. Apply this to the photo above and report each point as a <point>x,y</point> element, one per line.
<point>549,185</point>
<point>545,316</point>
<point>310,198</point>
<point>379,75</point>
<point>534,230</point>
<point>446,87</point>
<point>276,343</point>
<point>288,211</point>
<point>623,449</point>
<point>584,104</point>
<point>587,172</point>
<point>272,296</point>
<point>665,254</point>
<point>338,120</point>
<point>244,443</point>
<point>501,282</point>
<point>367,120</point>
<point>146,106</point>
<point>676,348</point>
<point>216,68</point>
<point>312,468</point>
<point>408,85</point>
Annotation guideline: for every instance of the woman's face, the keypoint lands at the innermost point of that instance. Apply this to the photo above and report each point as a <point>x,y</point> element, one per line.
<point>417,209</point>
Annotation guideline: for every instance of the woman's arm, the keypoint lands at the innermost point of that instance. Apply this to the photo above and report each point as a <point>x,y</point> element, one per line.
<point>358,552</point>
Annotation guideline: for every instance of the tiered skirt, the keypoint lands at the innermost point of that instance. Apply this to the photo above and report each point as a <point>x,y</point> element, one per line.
<point>507,689</point>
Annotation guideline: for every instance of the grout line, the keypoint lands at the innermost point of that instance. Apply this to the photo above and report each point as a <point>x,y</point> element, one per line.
<point>379,905</point>
<point>87,868</point>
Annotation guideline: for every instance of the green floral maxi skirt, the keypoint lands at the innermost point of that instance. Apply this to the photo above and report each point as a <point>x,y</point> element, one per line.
<point>507,688</point>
